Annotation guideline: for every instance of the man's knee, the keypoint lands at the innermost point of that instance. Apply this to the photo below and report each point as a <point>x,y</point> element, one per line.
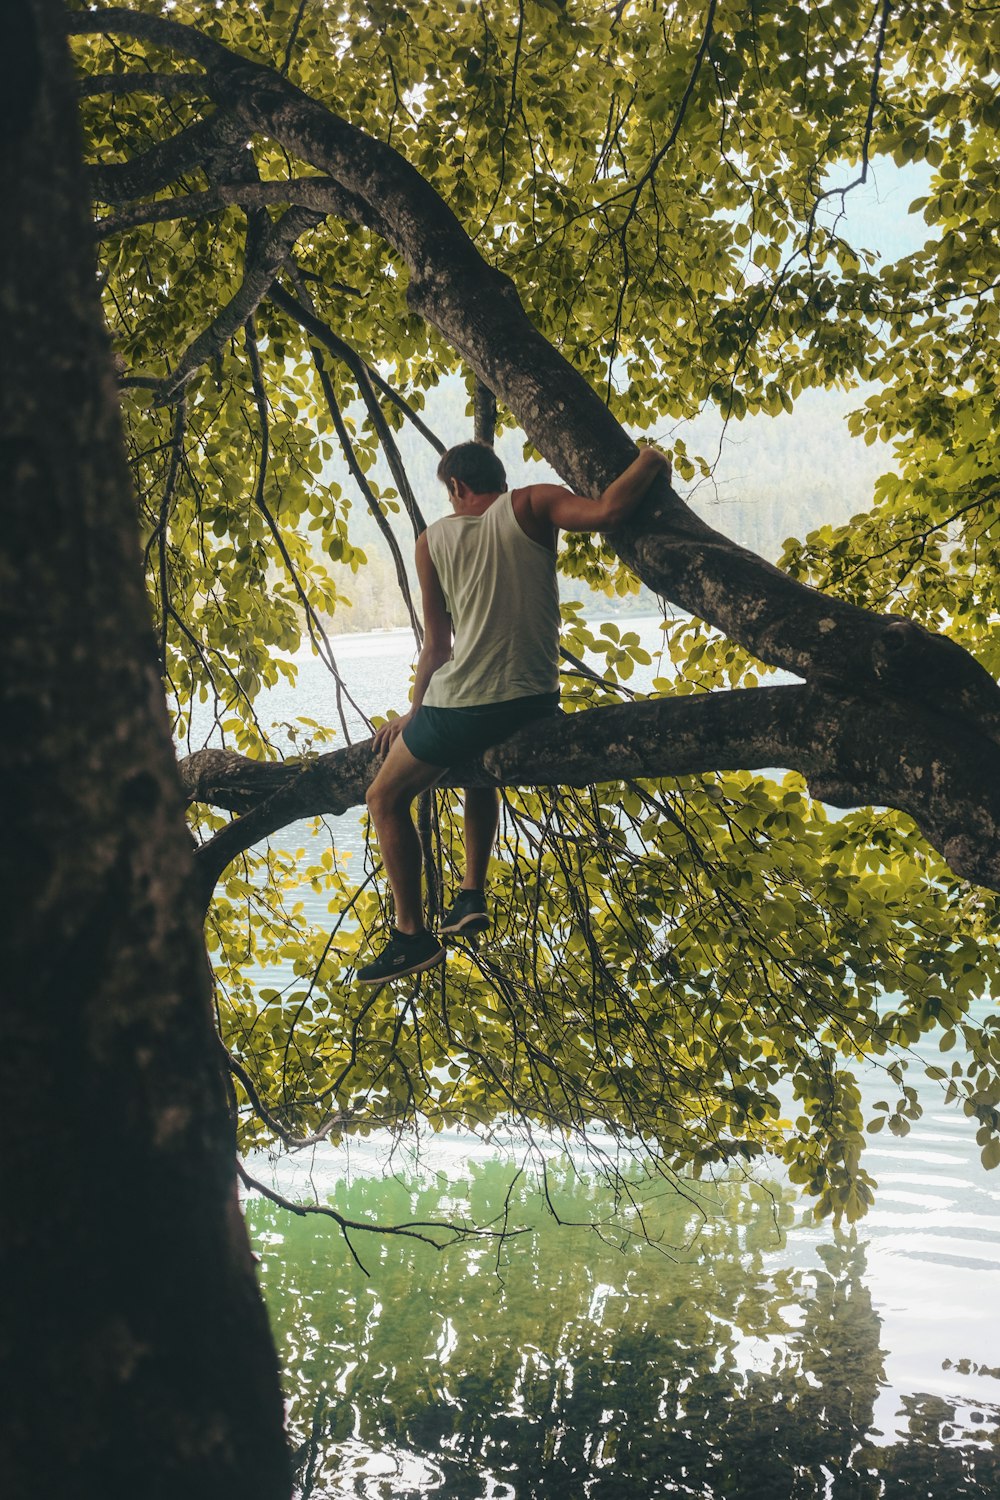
<point>374,799</point>
<point>382,799</point>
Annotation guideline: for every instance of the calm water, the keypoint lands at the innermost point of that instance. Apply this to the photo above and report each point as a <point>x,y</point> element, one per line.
<point>741,1355</point>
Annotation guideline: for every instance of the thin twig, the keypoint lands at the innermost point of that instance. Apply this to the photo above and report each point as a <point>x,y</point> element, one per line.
<point>313,621</point>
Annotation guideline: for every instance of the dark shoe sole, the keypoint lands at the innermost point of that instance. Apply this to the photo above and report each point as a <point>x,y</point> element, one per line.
<point>426,963</point>
<point>476,921</point>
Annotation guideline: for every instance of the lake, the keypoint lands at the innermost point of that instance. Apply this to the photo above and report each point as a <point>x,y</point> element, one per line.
<point>741,1354</point>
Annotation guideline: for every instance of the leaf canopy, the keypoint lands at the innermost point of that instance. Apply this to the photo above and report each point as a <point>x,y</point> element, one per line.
<point>696,966</point>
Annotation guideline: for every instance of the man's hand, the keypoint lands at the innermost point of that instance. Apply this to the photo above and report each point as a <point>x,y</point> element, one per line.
<point>657,457</point>
<point>383,739</point>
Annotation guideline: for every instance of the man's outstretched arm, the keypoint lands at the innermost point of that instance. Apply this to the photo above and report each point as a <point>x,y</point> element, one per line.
<point>569,512</point>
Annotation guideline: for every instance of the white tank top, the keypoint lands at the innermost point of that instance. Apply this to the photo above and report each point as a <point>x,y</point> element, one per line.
<point>501,592</point>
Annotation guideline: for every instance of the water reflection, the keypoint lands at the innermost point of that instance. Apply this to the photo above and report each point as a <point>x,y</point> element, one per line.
<point>704,1368</point>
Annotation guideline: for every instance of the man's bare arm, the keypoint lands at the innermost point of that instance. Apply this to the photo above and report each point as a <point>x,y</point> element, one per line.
<point>569,512</point>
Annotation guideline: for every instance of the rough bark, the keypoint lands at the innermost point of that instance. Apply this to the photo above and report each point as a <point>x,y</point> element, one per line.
<point>166,85</point>
<point>484,414</point>
<point>134,1347</point>
<point>307,192</point>
<point>163,163</point>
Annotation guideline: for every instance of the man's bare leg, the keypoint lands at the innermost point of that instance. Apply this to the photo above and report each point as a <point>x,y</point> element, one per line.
<point>400,779</point>
<point>482,816</point>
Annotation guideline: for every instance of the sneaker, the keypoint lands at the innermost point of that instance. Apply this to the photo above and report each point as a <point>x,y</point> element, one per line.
<point>468,914</point>
<point>404,953</point>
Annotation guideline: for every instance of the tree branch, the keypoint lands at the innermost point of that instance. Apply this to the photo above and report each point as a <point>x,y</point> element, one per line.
<point>362,376</point>
<point>438,1233</point>
<point>167,85</point>
<point>162,164</point>
<point>852,752</point>
<point>484,421</point>
<point>918,695</point>
<point>319,193</point>
<point>401,403</point>
<point>317,632</point>
<point>173,35</point>
<point>271,252</point>
<point>325,335</point>
<point>285,1136</point>
<point>361,480</point>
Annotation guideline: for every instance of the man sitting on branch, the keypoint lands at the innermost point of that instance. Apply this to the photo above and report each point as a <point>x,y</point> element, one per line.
<point>488,579</point>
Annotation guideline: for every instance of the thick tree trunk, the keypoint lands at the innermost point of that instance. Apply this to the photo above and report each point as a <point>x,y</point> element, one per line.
<point>134,1347</point>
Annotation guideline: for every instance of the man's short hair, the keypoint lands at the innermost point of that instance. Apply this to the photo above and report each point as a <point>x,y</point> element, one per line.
<point>474,464</point>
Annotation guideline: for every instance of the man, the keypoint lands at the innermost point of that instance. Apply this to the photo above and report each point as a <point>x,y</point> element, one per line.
<point>487,574</point>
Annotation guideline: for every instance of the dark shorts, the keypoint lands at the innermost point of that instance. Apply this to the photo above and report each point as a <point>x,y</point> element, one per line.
<point>448,736</point>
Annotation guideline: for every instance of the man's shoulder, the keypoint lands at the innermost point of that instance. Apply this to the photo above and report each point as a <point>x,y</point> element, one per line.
<point>431,532</point>
<point>537,528</point>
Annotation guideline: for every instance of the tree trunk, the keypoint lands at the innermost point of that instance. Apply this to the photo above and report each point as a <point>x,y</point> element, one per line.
<point>134,1348</point>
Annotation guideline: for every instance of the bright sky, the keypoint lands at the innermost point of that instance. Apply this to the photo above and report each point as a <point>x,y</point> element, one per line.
<point>877,216</point>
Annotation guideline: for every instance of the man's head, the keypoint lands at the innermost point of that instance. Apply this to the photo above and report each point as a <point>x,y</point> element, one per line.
<point>474,467</point>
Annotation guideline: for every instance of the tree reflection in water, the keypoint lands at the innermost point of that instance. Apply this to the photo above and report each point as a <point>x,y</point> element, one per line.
<point>701,1368</point>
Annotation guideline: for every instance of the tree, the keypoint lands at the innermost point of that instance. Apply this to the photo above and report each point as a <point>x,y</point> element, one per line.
<point>598,216</point>
<point>134,1338</point>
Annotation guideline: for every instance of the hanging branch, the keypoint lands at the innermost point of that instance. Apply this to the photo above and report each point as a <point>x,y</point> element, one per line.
<point>438,1234</point>
<point>650,173</point>
<point>318,193</point>
<point>270,252</point>
<point>400,402</point>
<point>159,536</point>
<point>285,1136</point>
<point>317,633</point>
<point>361,371</point>
<point>361,480</point>
<point>885,10</point>
<point>390,448</point>
<point>325,335</point>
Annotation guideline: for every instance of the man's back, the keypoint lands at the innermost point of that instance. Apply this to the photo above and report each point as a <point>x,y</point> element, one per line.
<point>500,588</point>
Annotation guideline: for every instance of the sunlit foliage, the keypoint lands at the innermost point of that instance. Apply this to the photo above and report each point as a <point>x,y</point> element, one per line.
<point>698,966</point>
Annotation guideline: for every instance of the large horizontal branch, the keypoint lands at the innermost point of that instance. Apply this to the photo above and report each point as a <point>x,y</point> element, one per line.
<point>853,752</point>
<point>319,193</point>
<point>166,85</point>
<point>476,307</point>
<point>163,163</point>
